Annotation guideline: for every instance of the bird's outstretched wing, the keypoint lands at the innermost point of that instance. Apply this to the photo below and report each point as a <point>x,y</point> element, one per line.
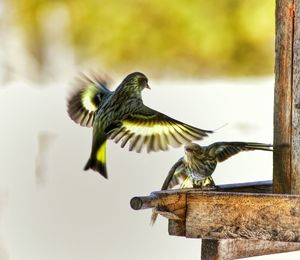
<point>84,102</point>
<point>223,150</point>
<point>154,130</point>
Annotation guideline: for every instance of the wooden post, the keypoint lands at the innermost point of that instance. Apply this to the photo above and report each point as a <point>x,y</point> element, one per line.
<point>295,148</point>
<point>227,249</point>
<point>286,174</point>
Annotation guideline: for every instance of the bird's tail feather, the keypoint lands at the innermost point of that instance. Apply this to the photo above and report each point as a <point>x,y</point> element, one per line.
<point>97,160</point>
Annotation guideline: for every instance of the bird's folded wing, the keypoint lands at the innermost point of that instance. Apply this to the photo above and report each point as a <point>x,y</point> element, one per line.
<point>223,150</point>
<point>85,100</point>
<point>176,175</point>
<point>154,130</point>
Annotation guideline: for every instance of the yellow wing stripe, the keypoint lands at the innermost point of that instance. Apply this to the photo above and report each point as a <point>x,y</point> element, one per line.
<point>87,96</point>
<point>153,135</point>
<point>150,129</point>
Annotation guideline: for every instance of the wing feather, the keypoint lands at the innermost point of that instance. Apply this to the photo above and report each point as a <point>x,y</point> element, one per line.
<point>126,139</point>
<point>223,150</point>
<point>154,131</point>
<point>85,100</point>
<point>133,144</point>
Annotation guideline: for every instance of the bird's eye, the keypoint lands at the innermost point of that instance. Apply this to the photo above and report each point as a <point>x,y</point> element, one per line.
<point>142,81</point>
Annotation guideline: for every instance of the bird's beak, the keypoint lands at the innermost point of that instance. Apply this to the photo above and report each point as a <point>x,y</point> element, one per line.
<point>147,86</point>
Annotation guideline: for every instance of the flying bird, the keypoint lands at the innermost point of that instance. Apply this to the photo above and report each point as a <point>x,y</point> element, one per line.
<point>121,115</point>
<point>194,170</point>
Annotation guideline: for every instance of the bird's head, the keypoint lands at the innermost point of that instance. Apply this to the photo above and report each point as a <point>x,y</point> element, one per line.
<point>192,149</point>
<point>136,81</point>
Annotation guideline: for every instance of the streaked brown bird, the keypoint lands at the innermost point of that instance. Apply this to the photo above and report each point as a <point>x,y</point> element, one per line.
<point>194,170</point>
<point>121,115</point>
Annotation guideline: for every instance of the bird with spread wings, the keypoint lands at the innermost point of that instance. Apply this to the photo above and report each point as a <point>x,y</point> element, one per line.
<point>122,116</point>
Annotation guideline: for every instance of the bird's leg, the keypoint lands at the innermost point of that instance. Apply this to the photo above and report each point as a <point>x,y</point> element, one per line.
<point>187,184</point>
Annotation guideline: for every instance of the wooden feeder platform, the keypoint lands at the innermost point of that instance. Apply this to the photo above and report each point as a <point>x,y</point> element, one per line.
<point>234,221</point>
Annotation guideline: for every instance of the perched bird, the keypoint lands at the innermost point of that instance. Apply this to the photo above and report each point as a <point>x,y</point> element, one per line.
<point>121,115</point>
<point>194,170</point>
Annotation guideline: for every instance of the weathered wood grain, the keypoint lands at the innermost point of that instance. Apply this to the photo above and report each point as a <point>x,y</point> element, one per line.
<point>283,96</point>
<point>295,134</point>
<point>220,215</point>
<point>227,249</point>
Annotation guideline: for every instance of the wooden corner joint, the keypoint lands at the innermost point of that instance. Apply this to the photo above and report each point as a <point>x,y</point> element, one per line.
<point>173,208</point>
<point>164,211</point>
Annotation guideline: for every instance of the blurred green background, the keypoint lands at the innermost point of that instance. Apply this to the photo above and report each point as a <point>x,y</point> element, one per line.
<point>194,37</point>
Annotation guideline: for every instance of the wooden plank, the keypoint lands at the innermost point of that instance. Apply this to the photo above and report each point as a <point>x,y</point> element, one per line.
<point>226,249</point>
<point>295,142</point>
<point>171,197</point>
<point>249,187</point>
<point>283,96</point>
<point>220,215</point>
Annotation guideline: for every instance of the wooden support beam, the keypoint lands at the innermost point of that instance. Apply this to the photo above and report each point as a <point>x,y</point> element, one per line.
<point>226,249</point>
<point>222,215</point>
<point>295,147</point>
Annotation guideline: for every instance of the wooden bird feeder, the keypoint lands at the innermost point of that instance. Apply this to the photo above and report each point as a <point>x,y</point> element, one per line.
<point>243,220</point>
